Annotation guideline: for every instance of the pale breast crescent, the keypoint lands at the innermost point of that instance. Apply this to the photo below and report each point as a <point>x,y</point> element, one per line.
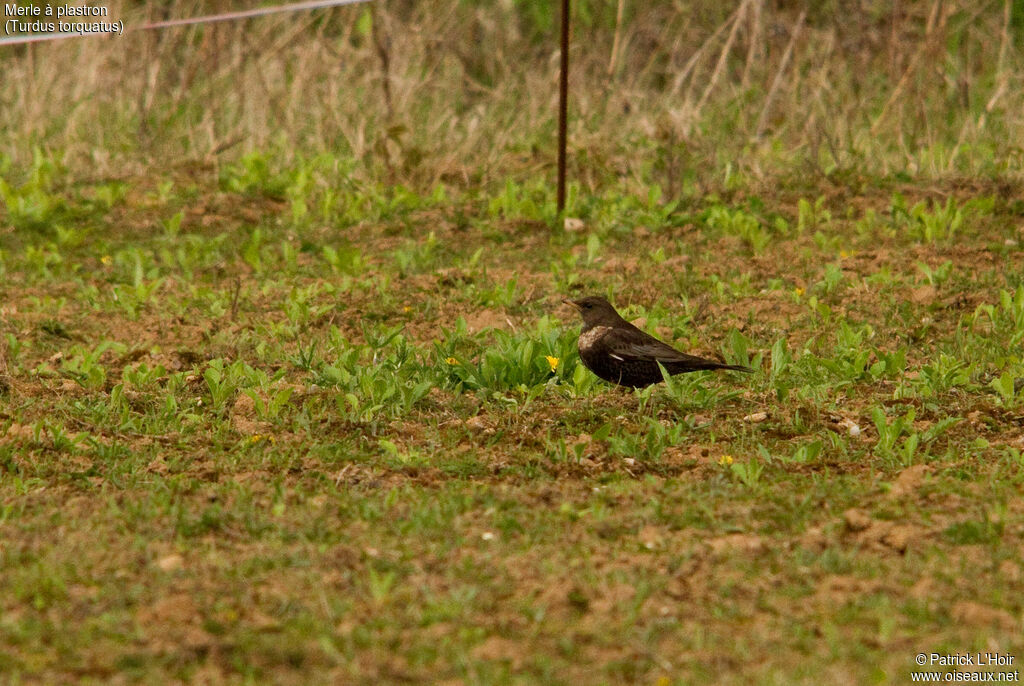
<point>589,338</point>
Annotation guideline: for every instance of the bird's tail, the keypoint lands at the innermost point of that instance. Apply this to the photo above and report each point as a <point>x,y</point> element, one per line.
<point>702,364</point>
<point>692,363</point>
<point>734,368</point>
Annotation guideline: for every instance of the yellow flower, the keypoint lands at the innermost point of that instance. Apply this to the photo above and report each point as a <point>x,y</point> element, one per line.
<point>798,291</point>
<point>407,309</point>
<point>725,460</point>
<point>552,362</point>
<point>843,254</point>
<point>451,360</point>
<point>106,259</point>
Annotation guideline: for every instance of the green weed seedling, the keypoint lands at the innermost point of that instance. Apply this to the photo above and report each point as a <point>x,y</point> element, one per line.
<point>889,432</point>
<point>1009,316</point>
<point>143,377</point>
<point>937,276</point>
<point>870,225</point>
<point>103,197</point>
<point>564,272</point>
<point>43,259</point>
<point>381,584</point>
<point>1005,385</point>
<point>781,359</point>
<point>807,453</point>
<point>849,361</point>
<point>748,473</point>
<point>889,364</point>
<point>344,259</point>
<point>649,443</point>
<point>303,306</point>
<point>380,380</point>
<point>305,358</point>
<point>84,366</point>
<point>738,349</point>
<point>60,440</point>
<point>223,381</point>
<point>831,281</point>
<point>500,295</point>
<point>270,410</point>
<point>812,217</point>
<point>820,310</point>
<point>690,392</point>
<point>583,380</point>
<point>396,458</point>
<point>251,250</point>
<point>33,205</point>
<point>779,370</point>
<point>417,255</point>
<point>288,255</point>
<point>116,410</point>
<point>593,248</point>
<point>190,253</point>
<point>69,238</point>
<point>524,362</point>
<point>943,374</point>
<point>511,364</point>
<point>738,223</point>
<point>14,349</point>
<point>560,453</point>
<point>615,212</point>
<point>141,271</point>
<point>164,192</point>
<point>253,175</point>
<point>935,222</point>
<point>984,531</point>
<point>533,201</point>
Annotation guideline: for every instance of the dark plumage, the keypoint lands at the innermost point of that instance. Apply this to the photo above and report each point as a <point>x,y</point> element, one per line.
<point>619,352</point>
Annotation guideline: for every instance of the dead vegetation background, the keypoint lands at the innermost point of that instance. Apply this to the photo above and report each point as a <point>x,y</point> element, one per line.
<point>464,93</point>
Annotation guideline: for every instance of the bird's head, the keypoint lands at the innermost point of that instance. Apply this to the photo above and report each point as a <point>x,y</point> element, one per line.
<point>596,311</point>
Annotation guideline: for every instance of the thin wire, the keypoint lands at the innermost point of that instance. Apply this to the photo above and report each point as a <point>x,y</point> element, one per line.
<point>207,19</point>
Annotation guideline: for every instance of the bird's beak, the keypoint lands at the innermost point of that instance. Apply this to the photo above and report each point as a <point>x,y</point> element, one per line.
<point>570,302</point>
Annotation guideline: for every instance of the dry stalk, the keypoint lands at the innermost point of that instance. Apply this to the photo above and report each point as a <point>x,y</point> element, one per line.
<point>756,31</point>
<point>617,38</point>
<point>762,120</point>
<point>722,57</point>
<point>681,77</point>
<point>926,46</point>
<point>1002,82</point>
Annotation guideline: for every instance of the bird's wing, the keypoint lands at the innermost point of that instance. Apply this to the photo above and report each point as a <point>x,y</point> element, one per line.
<point>628,345</point>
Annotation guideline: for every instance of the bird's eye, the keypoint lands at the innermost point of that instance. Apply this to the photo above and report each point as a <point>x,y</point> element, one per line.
<point>587,305</point>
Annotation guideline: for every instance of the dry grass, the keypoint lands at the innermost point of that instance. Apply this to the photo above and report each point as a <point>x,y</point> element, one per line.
<point>465,94</point>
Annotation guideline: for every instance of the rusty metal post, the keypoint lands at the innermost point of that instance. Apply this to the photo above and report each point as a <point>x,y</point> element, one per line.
<point>563,105</point>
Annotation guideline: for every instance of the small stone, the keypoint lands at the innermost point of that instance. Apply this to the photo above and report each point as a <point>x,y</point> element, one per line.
<point>476,423</point>
<point>856,520</point>
<point>171,563</point>
<point>852,427</point>
<point>573,225</point>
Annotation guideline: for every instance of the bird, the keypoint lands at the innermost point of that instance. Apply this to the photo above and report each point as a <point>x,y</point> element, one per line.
<point>622,354</point>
